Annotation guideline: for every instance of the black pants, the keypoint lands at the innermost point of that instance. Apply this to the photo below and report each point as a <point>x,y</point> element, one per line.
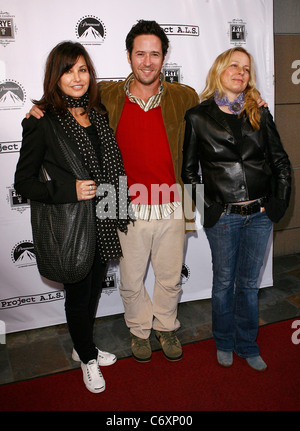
<point>81,306</point>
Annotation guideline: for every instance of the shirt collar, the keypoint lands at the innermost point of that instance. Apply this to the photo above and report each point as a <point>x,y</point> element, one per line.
<point>152,102</point>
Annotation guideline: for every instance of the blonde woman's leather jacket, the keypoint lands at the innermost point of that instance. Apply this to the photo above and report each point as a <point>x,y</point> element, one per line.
<point>257,167</point>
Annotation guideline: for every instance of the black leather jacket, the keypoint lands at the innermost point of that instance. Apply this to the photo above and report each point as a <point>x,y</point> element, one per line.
<point>235,171</point>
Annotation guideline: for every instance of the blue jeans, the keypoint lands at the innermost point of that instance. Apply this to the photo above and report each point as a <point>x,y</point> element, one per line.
<point>238,245</point>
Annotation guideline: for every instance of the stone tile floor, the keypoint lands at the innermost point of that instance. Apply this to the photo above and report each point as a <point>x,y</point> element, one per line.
<point>47,350</point>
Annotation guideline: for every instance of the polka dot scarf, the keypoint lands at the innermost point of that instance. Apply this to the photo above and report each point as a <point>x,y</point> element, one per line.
<point>106,176</point>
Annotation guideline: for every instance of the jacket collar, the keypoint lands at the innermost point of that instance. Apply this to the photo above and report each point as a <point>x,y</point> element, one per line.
<point>215,112</point>
<point>63,135</point>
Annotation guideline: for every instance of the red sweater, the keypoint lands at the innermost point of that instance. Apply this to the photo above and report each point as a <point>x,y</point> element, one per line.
<point>146,154</point>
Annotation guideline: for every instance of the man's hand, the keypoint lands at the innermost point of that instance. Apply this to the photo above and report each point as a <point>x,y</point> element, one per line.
<point>261,103</point>
<point>35,112</point>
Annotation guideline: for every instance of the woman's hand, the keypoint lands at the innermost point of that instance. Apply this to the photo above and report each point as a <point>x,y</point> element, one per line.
<point>85,189</point>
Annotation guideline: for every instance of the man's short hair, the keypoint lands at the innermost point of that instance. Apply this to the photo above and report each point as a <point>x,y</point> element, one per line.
<point>147,27</point>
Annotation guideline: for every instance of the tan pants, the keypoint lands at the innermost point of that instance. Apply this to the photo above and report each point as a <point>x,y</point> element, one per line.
<point>163,242</point>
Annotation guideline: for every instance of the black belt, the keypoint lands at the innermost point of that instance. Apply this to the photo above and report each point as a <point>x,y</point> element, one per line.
<point>244,209</point>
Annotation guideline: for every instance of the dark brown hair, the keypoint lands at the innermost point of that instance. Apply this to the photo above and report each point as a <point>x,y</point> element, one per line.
<point>61,59</point>
<point>147,27</point>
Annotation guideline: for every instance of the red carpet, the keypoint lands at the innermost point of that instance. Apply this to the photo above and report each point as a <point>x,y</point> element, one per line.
<point>196,383</point>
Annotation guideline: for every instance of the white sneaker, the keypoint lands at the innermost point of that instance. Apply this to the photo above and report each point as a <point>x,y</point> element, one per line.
<point>92,377</point>
<point>103,359</point>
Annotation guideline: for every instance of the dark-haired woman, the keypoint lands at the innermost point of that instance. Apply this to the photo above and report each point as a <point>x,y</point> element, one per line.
<point>74,115</point>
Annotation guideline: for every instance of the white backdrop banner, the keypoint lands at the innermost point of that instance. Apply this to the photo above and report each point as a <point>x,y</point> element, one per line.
<point>198,31</point>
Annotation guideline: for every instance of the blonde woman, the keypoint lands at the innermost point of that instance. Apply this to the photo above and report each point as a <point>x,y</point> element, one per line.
<point>247,181</point>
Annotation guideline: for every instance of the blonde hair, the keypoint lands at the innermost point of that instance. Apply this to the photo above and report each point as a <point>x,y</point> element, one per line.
<point>251,94</point>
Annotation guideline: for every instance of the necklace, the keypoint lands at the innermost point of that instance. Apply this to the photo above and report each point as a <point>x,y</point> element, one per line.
<point>235,107</point>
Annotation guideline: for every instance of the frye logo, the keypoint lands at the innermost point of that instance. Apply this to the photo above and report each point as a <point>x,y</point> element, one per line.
<point>6,28</point>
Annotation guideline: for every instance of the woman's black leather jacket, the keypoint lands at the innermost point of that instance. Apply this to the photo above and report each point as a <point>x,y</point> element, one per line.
<point>235,171</point>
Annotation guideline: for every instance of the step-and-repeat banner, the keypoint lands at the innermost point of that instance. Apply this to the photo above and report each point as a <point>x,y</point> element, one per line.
<point>198,31</point>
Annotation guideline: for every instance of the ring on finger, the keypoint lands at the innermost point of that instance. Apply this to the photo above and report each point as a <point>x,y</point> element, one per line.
<point>91,187</point>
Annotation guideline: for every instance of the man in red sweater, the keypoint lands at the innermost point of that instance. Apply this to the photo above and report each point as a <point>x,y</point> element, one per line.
<point>147,115</point>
